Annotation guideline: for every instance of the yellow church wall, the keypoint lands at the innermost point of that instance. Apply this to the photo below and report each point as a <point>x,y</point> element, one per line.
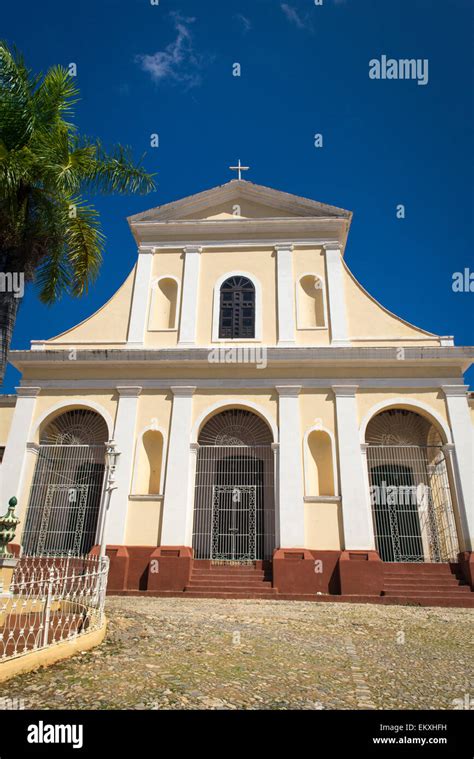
<point>143,526</point>
<point>109,323</point>
<point>310,261</point>
<point>204,401</point>
<point>6,416</point>
<point>323,526</point>
<point>369,319</point>
<point>217,263</point>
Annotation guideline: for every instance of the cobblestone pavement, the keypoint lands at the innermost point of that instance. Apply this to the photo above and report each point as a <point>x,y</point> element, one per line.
<point>213,654</point>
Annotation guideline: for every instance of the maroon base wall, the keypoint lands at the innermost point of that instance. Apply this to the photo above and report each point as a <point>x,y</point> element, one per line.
<point>466,567</point>
<point>360,573</point>
<point>301,571</point>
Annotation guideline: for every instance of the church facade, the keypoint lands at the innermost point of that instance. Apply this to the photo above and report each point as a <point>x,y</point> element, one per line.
<point>270,417</point>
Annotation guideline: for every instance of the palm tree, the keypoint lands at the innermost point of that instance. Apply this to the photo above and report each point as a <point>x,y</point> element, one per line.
<point>49,233</point>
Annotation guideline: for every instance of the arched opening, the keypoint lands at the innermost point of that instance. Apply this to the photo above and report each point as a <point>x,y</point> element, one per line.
<point>410,489</point>
<point>237,309</point>
<point>320,465</point>
<point>164,304</point>
<point>149,465</point>
<point>66,490</point>
<point>310,299</point>
<point>234,507</point>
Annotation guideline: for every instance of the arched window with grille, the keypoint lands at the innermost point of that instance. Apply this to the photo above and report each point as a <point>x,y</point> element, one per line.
<point>237,309</point>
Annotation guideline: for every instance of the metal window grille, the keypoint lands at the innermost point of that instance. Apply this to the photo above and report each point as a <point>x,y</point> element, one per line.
<point>411,503</point>
<point>234,512</point>
<point>237,309</point>
<point>65,499</point>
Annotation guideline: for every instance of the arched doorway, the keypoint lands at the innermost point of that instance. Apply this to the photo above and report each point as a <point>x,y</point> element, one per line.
<point>410,489</point>
<point>66,491</point>
<point>234,505</point>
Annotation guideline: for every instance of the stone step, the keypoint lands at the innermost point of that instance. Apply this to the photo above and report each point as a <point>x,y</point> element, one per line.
<point>230,581</point>
<point>230,573</point>
<point>415,569</point>
<point>257,594</point>
<point>409,590</point>
<point>431,582</point>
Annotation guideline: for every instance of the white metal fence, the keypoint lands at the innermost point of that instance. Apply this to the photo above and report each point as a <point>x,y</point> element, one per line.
<point>51,600</point>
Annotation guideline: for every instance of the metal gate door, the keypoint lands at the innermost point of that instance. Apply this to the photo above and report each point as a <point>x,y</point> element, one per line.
<point>234,523</point>
<point>411,503</point>
<point>65,500</point>
<point>234,504</point>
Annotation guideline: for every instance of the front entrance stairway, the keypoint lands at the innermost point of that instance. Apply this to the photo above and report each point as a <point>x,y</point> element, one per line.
<point>230,580</point>
<point>425,584</point>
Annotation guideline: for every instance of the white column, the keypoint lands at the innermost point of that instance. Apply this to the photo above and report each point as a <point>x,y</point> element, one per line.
<point>336,294</point>
<point>290,483</point>
<point>356,508</point>
<point>189,298</point>
<point>14,459</point>
<point>285,295</point>
<point>462,457</point>
<point>124,436</point>
<point>176,508</point>
<point>140,299</point>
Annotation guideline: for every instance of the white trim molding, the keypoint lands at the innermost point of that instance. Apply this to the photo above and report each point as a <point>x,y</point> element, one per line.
<point>124,436</point>
<point>462,457</point>
<point>178,503</point>
<point>356,508</point>
<point>140,298</point>
<point>290,479</point>
<point>67,405</point>
<point>233,403</point>
<point>14,459</point>
<point>410,404</point>
<point>217,302</point>
<point>285,295</point>
<point>336,294</point>
<point>190,294</point>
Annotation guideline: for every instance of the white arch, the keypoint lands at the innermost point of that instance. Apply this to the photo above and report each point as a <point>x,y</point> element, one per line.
<point>69,404</point>
<point>297,294</point>
<point>139,441</point>
<point>409,404</point>
<point>154,286</point>
<point>320,428</point>
<point>232,403</point>
<point>217,300</point>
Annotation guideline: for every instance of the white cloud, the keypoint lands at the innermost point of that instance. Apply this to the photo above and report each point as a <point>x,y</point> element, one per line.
<point>178,61</point>
<point>292,15</point>
<point>246,23</point>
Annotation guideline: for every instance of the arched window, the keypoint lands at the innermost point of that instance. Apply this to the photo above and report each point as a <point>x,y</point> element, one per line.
<point>237,309</point>
<point>164,305</point>
<point>149,464</point>
<point>320,467</point>
<point>310,299</point>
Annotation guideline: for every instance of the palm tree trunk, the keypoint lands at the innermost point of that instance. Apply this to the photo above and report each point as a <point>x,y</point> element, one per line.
<point>8,310</point>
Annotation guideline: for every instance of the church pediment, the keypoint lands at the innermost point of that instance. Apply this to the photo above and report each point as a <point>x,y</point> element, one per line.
<point>243,199</point>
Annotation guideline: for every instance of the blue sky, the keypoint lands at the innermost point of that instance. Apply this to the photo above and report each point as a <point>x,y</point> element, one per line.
<point>167,69</point>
